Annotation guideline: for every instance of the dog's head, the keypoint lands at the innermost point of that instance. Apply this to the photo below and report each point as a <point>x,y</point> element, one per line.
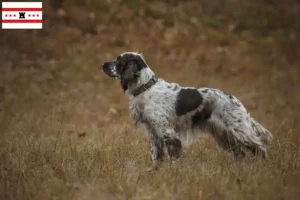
<point>126,67</point>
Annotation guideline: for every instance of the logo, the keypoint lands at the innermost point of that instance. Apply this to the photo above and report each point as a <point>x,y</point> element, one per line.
<point>22,15</point>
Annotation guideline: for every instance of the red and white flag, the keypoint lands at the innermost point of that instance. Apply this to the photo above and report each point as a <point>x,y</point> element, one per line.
<point>22,15</point>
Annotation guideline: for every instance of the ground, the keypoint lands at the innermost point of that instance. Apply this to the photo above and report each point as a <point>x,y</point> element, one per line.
<point>65,127</point>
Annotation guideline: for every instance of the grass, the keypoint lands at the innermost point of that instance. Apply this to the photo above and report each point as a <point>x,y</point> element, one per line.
<point>112,165</point>
<point>65,129</point>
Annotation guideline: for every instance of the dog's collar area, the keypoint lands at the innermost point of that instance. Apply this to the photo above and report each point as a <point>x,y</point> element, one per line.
<point>145,86</point>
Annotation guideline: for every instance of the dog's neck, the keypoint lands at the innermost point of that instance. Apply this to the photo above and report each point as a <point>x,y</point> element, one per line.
<point>146,75</point>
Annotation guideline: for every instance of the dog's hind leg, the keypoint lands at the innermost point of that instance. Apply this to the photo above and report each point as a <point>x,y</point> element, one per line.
<point>249,138</point>
<point>238,153</point>
<point>258,150</point>
<point>237,138</point>
<point>227,141</point>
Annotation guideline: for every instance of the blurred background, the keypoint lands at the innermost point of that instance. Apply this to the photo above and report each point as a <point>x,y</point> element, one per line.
<point>52,85</point>
<point>247,48</point>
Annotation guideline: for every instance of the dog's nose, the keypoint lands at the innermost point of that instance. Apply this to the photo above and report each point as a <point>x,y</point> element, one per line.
<point>105,64</point>
<point>105,67</point>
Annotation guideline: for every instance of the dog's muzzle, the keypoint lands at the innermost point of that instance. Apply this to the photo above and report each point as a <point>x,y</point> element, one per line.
<point>110,69</point>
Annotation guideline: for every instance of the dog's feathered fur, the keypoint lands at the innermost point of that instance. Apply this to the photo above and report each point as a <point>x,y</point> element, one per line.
<point>172,114</point>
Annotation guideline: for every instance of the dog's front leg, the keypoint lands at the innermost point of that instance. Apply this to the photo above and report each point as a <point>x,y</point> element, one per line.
<point>173,144</point>
<point>165,132</point>
<point>156,143</point>
<point>156,148</point>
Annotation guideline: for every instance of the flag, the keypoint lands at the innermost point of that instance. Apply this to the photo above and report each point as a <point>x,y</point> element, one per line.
<point>22,15</point>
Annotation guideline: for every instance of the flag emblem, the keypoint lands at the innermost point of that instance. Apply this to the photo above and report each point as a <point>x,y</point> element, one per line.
<point>22,15</point>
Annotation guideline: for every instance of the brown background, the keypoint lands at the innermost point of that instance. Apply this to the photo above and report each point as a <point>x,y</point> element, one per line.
<point>65,128</point>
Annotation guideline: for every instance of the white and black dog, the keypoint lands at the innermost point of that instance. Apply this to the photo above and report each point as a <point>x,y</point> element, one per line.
<point>172,114</point>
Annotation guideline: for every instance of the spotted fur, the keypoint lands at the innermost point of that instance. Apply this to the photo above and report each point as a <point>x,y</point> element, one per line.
<point>174,116</point>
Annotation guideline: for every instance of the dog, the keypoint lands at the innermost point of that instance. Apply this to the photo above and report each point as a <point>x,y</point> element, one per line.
<point>173,115</point>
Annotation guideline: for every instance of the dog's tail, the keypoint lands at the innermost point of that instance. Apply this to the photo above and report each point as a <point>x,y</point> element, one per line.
<point>265,136</point>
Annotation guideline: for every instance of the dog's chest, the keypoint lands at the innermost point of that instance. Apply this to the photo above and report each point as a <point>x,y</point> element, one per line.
<point>136,109</point>
<point>142,108</point>
<point>152,106</point>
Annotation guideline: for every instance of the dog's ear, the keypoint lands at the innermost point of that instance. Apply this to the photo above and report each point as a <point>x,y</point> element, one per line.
<point>130,74</point>
<point>131,70</point>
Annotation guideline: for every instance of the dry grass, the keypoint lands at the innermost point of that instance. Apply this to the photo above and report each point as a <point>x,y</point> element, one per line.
<point>65,129</point>
<point>112,166</point>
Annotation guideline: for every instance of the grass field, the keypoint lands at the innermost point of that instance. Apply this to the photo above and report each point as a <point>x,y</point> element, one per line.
<point>65,130</point>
